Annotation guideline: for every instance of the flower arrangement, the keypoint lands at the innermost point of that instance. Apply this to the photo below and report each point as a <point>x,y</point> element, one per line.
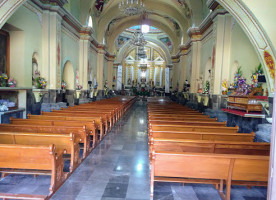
<point>63,85</point>
<point>243,87</point>
<point>237,76</point>
<point>224,86</point>
<point>11,82</point>
<point>3,80</point>
<point>206,88</point>
<point>38,81</point>
<point>41,83</point>
<point>78,87</point>
<point>254,77</point>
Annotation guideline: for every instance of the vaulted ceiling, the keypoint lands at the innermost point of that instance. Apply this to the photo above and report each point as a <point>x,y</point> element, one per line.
<point>173,17</point>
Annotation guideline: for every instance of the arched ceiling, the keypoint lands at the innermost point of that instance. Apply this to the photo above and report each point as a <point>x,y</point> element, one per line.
<point>173,17</point>
<point>161,48</point>
<point>126,23</point>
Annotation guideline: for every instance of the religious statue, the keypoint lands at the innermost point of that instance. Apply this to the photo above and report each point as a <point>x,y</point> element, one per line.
<point>199,85</point>
<point>129,81</point>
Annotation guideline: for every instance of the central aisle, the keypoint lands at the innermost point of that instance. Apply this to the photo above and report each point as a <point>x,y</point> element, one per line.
<point>118,168</point>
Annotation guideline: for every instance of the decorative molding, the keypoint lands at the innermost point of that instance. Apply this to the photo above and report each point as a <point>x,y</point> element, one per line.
<point>201,32</point>
<point>70,23</point>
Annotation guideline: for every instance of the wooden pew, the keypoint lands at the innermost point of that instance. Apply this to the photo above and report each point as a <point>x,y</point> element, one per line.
<point>105,116</point>
<point>71,116</point>
<point>190,123</point>
<point>175,119</point>
<point>81,134</point>
<point>33,159</point>
<point>207,146</point>
<point>208,168</point>
<point>194,135</point>
<point>98,120</point>
<point>201,128</point>
<point>117,110</point>
<point>64,143</point>
<point>90,125</point>
<point>111,115</point>
<point>179,116</point>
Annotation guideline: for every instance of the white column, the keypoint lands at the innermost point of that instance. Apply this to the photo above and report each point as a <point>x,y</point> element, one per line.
<point>222,38</point>
<point>100,66</point>
<point>132,73</point>
<point>225,73</point>
<point>183,69</point>
<point>147,76</point>
<point>51,49</point>
<point>167,80</point>
<point>155,75</point>
<point>126,75</point>
<point>110,73</point>
<point>139,75</point>
<point>83,62</point>
<point>196,51</point>
<point>161,76</point>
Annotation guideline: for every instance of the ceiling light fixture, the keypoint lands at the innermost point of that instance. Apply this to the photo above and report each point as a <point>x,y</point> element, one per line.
<point>132,7</point>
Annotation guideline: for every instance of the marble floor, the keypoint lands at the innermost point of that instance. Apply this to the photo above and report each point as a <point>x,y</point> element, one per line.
<point>118,169</point>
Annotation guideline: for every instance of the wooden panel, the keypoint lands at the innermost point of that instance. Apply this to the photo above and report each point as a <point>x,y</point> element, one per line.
<point>191,166</point>
<point>251,169</point>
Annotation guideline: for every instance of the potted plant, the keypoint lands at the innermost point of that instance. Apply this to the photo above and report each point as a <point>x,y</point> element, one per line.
<point>78,90</point>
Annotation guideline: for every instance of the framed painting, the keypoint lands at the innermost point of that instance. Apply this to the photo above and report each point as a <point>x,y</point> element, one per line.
<point>4,52</point>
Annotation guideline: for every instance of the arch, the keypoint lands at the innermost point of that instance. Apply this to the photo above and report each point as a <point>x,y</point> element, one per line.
<point>8,8</point>
<point>164,8</point>
<point>160,47</point>
<point>256,34</point>
<point>124,24</point>
<point>68,75</point>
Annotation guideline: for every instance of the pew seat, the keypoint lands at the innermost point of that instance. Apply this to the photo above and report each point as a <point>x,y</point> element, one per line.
<point>64,143</point>
<point>34,159</point>
<point>209,166</point>
<point>81,134</point>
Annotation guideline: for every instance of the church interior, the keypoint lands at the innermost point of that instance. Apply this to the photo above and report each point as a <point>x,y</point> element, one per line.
<point>137,99</point>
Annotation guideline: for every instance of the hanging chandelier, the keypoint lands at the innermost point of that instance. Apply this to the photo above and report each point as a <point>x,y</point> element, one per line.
<point>132,7</point>
<point>138,39</point>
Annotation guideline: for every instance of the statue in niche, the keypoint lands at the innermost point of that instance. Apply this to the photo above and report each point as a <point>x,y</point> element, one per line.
<point>199,85</point>
<point>34,70</point>
<point>129,81</point>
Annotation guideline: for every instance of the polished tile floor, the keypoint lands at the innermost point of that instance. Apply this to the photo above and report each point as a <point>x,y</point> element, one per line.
<point>118,169</point>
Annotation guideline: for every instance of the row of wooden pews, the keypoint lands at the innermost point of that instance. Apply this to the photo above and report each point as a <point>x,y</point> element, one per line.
<point>188,147</point>
<point>41,144</point>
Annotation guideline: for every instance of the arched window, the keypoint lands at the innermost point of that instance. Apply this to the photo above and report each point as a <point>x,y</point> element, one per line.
<point>90,23</point>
